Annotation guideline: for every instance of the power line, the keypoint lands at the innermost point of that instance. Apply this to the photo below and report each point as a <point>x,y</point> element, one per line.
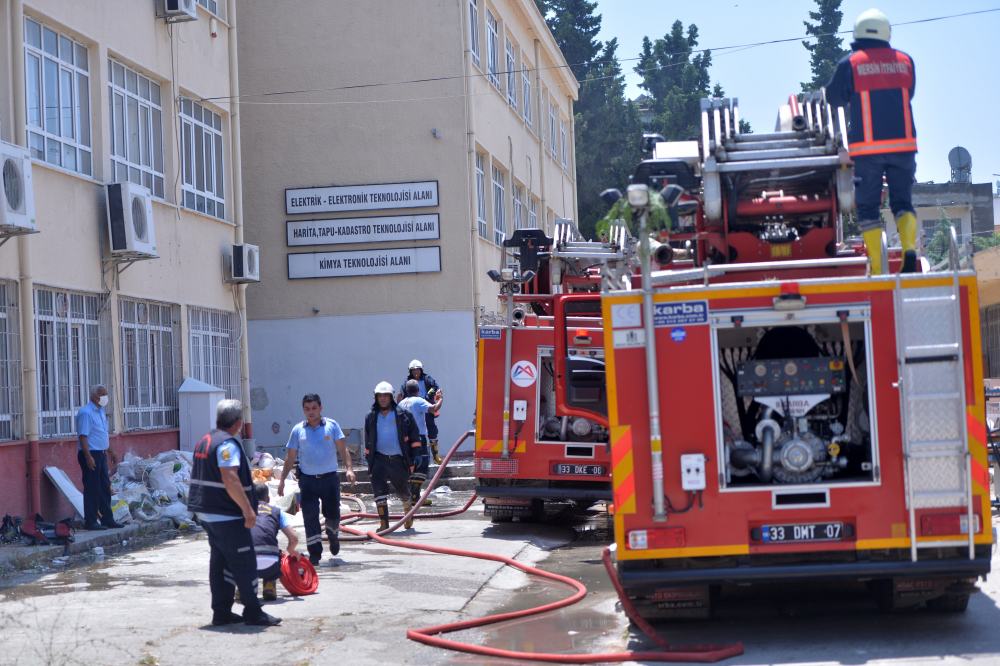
<point>597,62</point>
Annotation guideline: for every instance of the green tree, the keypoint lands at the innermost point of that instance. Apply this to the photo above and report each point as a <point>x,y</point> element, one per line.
<point>575,26</point>
<point>828,48</point>
<point>986,242</point>
<point>937,248</point>
<point>675,79</point>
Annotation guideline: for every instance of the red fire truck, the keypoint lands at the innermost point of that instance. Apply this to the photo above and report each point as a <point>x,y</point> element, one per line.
<point>775,411</point>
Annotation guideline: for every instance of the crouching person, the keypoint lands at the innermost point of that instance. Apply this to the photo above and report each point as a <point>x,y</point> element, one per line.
<point>270,521</point>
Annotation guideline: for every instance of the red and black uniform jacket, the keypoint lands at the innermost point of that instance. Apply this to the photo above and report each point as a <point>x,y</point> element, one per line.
<point>878,82</point>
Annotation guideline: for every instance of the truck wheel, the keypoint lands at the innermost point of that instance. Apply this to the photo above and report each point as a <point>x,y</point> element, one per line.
<point>949,603</point>
<point>884,594</point>
<point>537,510</point>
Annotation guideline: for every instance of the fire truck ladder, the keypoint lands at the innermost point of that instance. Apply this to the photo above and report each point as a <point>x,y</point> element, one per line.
<point>937,468</point>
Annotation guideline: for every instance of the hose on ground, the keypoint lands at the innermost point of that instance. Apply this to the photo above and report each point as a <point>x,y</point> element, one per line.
<point>298,575</point>
<point>431,635</point>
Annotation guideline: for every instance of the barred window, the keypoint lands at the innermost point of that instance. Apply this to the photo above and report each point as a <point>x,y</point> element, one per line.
<point>202,155</point>
<point>527,97</point>
<point>57,88</point>
<point>518,208</point>
<point>73,355</point>
<point>215,349</point>
<point>511,76</point>
<point>492,50</point>
<point>474,30</point>
<point>151,363</point>
<point>499,211</point>
<point>136,119</point>
<point>481,197</point>
<point>11,401</point>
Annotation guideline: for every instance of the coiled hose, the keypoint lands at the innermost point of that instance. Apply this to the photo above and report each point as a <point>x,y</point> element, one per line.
<point>431,635</point>
<point>298,575</point>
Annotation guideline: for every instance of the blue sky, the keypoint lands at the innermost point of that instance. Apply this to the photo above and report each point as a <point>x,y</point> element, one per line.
<point>957,99</point>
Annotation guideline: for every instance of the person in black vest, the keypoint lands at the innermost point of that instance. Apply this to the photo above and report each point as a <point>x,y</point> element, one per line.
<point>222,495</point>
<point>270,521</point>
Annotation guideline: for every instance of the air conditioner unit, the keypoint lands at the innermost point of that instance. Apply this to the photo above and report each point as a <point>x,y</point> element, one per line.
<point>176,11</point>
<point>243,264</point>
<point>18,210</point>
<point>130,220</point>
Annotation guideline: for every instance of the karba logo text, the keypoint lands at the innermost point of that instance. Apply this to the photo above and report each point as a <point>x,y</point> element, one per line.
<point>681,309</point>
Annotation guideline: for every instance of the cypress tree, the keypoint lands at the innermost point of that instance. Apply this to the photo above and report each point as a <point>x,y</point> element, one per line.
<point>828,48</point>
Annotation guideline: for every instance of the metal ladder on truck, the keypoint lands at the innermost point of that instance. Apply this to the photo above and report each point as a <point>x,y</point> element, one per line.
<point>937,467</point>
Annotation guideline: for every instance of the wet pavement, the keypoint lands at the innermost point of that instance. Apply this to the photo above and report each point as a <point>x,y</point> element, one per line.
<point>150,606</point>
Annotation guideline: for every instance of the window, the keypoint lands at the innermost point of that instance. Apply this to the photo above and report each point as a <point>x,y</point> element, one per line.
<point>73,355</point>
<point>562,134</point>
<point>474,30</point>
<point>57,87</point>
<point>492,50</point>
<point>532,217</point>
<point>11,405</point>
<point>511,76</point>
<point>499,211</point>
<point>201,153</point>
<point>215,350</point>
<point>552,130</point>
<point>215,6</point>
<point>481,197</point>
<point>151,356</point>
<point>136,119</point>
<point>518,208</point>
<point>526,95</point>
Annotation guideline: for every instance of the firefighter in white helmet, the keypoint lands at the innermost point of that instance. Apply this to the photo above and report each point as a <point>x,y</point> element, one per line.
<point>428,391</point>
<point>392,441</point>
<point>878,82</point>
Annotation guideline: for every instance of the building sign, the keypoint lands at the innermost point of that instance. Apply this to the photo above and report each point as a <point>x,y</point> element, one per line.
<point>346,198</point>
<point>346,263</point>
<point>363,230</point>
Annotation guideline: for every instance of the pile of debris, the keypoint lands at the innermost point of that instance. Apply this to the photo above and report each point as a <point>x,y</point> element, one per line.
<point>153,488</point>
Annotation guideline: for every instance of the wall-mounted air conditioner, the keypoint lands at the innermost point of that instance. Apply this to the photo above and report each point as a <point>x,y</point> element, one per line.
<point>176,11</point>
<point>130,220</point>
<point>243,264</point>
<point>17,212</point>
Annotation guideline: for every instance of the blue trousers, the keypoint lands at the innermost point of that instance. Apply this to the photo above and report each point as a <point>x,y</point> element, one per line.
<point>315,491</point>
<point>898,169</point>
<point>96,488</point>
<point>232,564</point>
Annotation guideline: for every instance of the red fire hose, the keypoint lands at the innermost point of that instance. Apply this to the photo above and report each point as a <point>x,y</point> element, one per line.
<point>427,635</point>
<point>298,575</point>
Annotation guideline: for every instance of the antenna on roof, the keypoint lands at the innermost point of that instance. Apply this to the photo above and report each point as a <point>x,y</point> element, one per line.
<point>961,165</point>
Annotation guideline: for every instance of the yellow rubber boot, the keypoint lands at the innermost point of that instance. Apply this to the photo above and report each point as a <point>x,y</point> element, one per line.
<point>270,590</point>
<point>383,516</point>
<point>409,521</point>
<point>434,451</point>
<point>907,226</point>
<point>873,243</point>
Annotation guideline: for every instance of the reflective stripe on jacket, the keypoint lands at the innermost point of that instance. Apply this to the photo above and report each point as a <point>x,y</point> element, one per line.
<point>878,82</point>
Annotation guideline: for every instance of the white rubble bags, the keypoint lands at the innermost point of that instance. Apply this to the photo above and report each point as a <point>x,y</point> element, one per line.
<point>146,489</point>
<point>152,488</point>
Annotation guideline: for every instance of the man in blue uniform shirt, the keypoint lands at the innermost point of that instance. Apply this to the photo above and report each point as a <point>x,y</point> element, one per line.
<point>93,450</point>
<point>420,409</point>
<point>314,444</point>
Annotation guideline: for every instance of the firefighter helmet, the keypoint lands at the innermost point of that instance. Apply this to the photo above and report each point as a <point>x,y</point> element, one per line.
<point>872,24</point>
<point>383,387</point>
<point>416,364</point>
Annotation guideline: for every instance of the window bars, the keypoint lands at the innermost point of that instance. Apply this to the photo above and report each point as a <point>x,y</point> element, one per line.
<point>215,349</point>
<point>11,400</point>
<point>990,329</point>
<point>151,363</point>
<point>73,354</point>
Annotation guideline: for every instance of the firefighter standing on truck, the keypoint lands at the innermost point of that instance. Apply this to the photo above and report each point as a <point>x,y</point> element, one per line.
<point>428,388</point>
<point>420,409</point>
<point>314,445</point>
<point>392,441</point>
<point>878,82</point>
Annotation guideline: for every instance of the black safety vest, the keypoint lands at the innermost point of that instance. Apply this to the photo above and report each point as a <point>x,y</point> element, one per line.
<point>265,530</point>
<point>208,493</point>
